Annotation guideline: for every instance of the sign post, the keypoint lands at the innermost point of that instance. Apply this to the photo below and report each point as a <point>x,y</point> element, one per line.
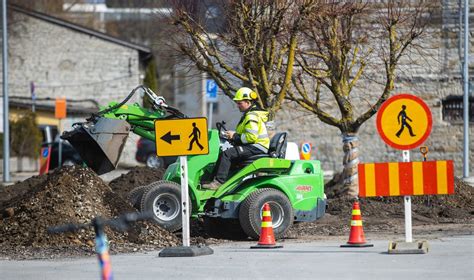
<point>404,122</point>
<point>407,204</point>
<point>183,161</point>
<point>33,96</point>
<point>183,137</point>
<point>60,113</point>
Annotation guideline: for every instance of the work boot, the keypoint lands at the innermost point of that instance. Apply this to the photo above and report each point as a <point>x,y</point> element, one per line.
<point>214,185</point>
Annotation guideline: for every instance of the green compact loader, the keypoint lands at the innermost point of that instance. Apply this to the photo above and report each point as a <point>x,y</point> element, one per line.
<point>293,188</point>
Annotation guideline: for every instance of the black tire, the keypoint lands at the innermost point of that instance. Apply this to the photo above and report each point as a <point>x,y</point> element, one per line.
<point>251,210</point>
<point>224,228</point>
<point>135,195</point>
<point>163,198</point>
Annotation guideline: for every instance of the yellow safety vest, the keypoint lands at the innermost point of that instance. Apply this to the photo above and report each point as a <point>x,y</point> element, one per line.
<point>252,130</point>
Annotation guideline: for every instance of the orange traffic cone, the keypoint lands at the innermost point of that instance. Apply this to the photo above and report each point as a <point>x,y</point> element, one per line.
<point>267,239</point>
<point>356,236</point>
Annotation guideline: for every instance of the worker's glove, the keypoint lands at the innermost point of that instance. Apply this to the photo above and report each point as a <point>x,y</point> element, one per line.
<point>229,134</point>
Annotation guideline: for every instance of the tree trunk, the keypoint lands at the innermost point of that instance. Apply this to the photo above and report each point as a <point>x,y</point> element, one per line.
<point>19,163</point>
<point>351,160</point>
<point>270,124</point>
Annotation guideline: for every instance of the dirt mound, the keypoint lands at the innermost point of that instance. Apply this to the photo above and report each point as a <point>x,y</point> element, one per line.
<point>69,195</point>
<point>138,176</point>
<point>386,213</point>
<point>76,195</point>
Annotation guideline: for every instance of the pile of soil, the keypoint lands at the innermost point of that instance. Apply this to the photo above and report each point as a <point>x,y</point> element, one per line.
<point>136,177</point>
<point>68,195</point>
<point>142,176</point>
<point>380,214</point>
<point>76,195</point>
<point>387,213</point>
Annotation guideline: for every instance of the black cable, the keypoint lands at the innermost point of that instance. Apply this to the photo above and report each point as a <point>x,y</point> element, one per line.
<point>100,113</point>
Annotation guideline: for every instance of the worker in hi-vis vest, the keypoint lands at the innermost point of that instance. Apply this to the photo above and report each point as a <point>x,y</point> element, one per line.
<point>249,138</point>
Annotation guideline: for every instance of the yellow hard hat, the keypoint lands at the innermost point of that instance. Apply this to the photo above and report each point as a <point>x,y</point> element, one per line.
<point>245,93</point>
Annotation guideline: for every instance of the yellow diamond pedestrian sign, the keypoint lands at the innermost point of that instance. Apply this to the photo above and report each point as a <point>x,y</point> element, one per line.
<point>181,137</point>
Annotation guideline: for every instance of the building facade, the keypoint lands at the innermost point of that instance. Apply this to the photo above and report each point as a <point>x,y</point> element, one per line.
<point>434,75</point>
<point>51,58</point>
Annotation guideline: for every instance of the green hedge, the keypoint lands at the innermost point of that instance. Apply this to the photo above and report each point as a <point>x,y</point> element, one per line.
<point>25,137</point>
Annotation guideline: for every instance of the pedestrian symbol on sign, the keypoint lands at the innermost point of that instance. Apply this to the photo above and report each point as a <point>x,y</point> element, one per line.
<point>195,135</point>
<point>403,116</point>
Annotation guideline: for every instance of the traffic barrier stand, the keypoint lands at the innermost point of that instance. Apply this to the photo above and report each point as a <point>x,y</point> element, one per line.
<point>356,236</point>
<point>417,247</point>
<point>267,238</point>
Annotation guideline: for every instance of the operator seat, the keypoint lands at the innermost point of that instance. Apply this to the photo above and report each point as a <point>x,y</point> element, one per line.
<point>277,149</point>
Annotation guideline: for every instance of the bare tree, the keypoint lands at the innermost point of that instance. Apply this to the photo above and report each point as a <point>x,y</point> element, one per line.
<point>44,6</point>
<point>342,44</point>
<point>255,45</point>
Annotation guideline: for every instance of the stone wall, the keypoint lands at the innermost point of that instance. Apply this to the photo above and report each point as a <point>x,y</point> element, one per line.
<point>64,62</point>
<point>431,74</point>
<point>67,63</point>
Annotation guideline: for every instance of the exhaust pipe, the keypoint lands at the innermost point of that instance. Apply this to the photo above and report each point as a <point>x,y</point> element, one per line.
<point>100,142</point>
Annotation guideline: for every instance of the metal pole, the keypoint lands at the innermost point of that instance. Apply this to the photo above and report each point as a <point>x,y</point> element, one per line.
<point>203,94</point>
<point>6,132</point>
<point>211,111</point>
<point>185,207</point>
<point>60,145</point>
<point>407,202</point>
<point>466,90</point>
<point>33,96</point>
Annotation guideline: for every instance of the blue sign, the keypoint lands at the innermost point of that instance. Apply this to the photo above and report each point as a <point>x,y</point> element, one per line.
<point>45,152</point>
<point>306,148</point>
<point>211,91</point>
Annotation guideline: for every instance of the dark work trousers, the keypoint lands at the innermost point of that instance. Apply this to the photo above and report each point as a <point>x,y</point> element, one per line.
<point>234,155</point>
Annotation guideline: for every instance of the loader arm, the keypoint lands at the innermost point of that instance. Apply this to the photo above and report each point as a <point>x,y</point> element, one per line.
<point>141,120</point>
<point>101,139</point>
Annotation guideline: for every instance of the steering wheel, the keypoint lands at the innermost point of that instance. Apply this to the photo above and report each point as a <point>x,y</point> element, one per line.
<point>225,143</point>
<point>222,129</point>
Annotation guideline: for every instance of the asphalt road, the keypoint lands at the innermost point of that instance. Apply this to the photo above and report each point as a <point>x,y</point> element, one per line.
<point>448,258</point>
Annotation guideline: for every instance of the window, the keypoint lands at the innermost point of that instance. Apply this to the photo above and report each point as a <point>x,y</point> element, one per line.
<point>453,109</point>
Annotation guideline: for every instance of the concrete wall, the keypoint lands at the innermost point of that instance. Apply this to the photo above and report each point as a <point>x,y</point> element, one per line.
<point>432,74</point>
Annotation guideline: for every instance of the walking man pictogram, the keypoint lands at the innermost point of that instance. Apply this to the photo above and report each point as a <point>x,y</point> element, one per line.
<point>404,117</point>
<point>195,135</point>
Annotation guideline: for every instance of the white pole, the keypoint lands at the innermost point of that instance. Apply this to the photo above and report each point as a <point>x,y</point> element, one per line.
<point>407,202</point>
<point>6,128</point>
<point>203,94</point>
<point>184,200</point>
<point>466,90</point>
<point>209,118</point>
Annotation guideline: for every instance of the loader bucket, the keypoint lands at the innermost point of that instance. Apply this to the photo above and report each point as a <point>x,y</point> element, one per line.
<point>99,142</point>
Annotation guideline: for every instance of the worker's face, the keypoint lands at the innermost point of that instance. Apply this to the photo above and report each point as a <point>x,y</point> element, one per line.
<point>243,105</point>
